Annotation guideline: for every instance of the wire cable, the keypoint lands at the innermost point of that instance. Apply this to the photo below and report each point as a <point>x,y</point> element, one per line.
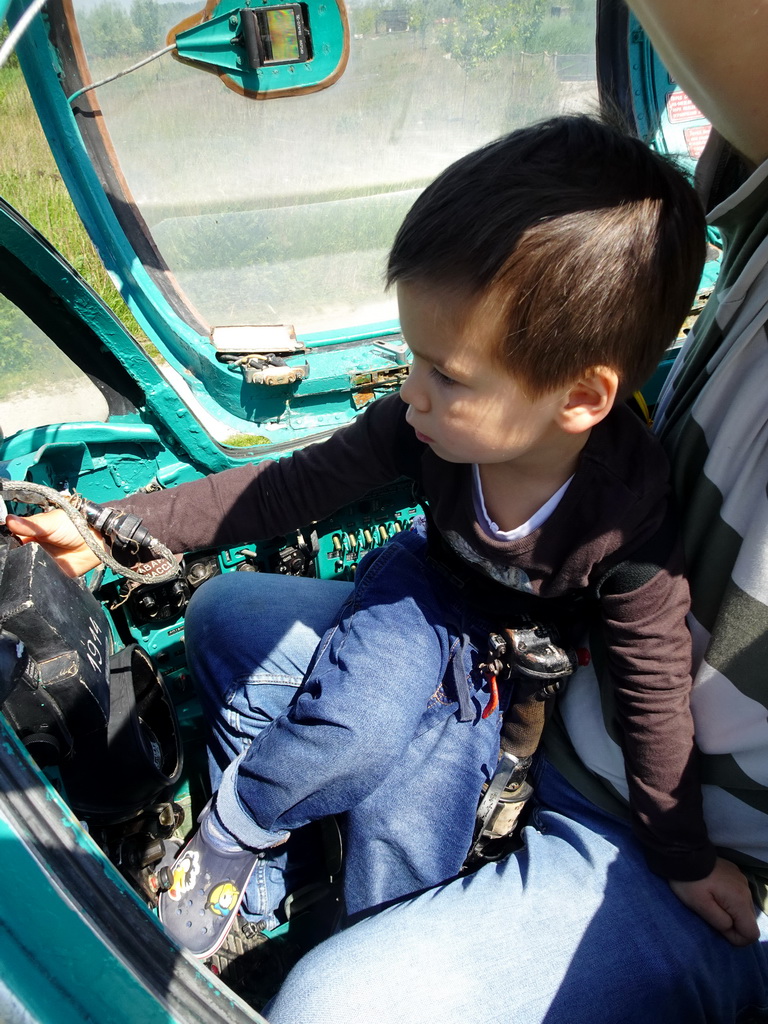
<point>119,74</point>
<point>19,29</point>
<point>38,494</point>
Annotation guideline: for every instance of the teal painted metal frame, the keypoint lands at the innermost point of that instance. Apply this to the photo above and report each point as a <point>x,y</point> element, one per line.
<point>177,423</point>
<point>41,67</point>
<point>76,943</point>
<point>215,386</point>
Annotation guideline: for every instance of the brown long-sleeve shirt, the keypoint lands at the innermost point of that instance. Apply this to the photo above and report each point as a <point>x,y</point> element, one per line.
<point>612,536</point>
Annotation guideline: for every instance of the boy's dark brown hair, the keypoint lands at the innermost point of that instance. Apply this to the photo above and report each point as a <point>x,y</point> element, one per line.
<point>587,244</point>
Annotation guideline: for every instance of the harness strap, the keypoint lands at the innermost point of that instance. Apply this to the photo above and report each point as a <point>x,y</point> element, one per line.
<point>494,600</point>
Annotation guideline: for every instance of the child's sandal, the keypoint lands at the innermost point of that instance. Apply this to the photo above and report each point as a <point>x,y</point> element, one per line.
<point>208,886</point>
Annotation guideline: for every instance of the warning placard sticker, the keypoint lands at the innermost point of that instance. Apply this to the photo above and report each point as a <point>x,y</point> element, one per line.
<point>681,108</point>
<point>696,139</point>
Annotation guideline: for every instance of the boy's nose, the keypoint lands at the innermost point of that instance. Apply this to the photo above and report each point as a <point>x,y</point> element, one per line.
<point>412,392</point>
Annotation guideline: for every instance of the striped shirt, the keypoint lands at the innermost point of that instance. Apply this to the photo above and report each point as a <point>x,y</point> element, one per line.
<point>713,421</point>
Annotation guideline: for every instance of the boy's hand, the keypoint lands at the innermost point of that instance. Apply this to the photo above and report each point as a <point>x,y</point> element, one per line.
<point>723,900</point>
<point>56,533</point>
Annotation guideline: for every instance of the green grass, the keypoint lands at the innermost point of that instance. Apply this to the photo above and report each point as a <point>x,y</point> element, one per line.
<point>30,182</point>
<point>246,440</point>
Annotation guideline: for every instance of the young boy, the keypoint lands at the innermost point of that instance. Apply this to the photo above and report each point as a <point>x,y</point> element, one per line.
<point>539,281</point>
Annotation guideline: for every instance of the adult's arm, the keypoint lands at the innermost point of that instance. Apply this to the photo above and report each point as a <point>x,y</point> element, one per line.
<point>717,52</point>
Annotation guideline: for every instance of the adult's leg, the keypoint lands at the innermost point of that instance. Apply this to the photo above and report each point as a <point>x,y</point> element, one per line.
<point>250,638</point>
<point>573,929</point>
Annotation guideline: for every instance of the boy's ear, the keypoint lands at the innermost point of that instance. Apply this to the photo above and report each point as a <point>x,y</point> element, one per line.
<point>589,400</point>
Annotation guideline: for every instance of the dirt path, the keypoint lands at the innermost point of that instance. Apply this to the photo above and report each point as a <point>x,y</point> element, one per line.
<point>65,402</point>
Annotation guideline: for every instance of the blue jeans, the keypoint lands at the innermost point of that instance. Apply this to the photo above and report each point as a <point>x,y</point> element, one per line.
<point>573,929</point>
<point>386,729</point>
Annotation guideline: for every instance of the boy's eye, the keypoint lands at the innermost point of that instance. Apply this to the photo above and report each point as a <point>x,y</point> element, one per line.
<point>441,377</point>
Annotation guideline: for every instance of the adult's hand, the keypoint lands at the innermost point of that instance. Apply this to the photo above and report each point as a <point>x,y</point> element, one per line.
<point>56,533</point>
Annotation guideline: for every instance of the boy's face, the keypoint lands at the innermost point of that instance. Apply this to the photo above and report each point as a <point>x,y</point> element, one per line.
<point>461,402</point>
